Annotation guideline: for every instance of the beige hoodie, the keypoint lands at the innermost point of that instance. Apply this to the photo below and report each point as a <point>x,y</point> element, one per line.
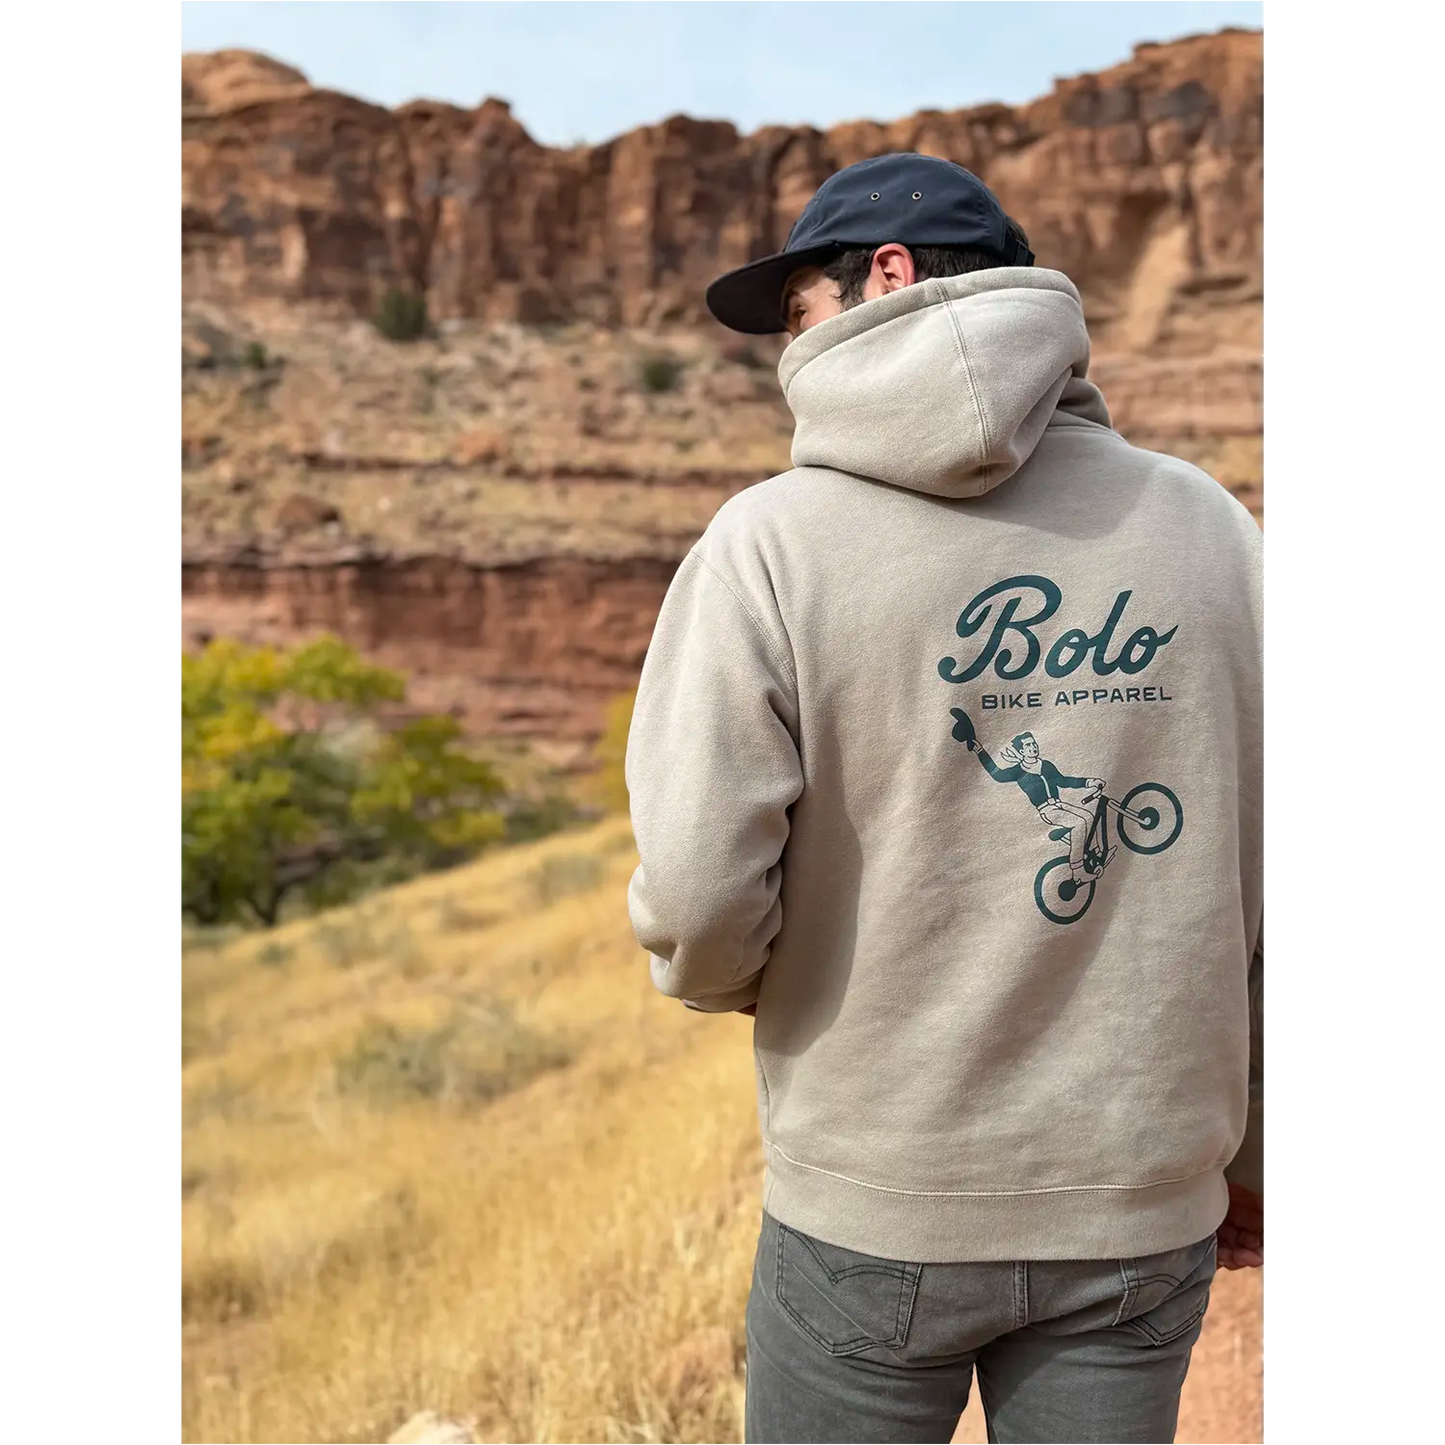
<point>997,1018</point>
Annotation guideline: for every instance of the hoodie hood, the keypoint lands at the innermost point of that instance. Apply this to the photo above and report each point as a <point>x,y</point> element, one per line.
<point>945,386</point>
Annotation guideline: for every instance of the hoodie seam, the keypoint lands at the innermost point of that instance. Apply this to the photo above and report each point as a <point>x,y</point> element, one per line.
<point>753,618</point>
<point>987,1193</point>
<point>972,384</point>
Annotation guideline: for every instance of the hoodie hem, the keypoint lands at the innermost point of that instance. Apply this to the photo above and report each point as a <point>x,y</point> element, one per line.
<point>1087,1222</point>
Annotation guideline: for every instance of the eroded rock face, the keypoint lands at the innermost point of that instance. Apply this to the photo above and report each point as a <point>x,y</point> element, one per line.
<point>1143,183</point>
<point>226,78</point>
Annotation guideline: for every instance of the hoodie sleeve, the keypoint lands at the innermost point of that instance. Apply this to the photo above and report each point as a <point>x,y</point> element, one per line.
<point>1247,1166</point>
<point>712,767</point>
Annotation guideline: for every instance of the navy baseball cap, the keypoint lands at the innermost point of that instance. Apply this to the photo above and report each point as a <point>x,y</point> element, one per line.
<point>905,197</point>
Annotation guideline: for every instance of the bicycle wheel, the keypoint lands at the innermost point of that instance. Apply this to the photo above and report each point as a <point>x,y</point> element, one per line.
<point>1162,818</point>
<point>1060,899</point>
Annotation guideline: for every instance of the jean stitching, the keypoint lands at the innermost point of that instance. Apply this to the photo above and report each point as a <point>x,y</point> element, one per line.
<point>1126,1271</point>
<point>792,1314</point>
<point>894,1271</point>
<point>858,1343</point>
<point>1142,1327</point>
<point>912,1302</point>
<point>905,1315</point>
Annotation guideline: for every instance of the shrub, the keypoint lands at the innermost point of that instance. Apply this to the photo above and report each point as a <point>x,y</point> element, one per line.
<point>477,1055</point>
<point>255,356</point>
<point>563,875</point>
<point>453,916</point>
<point>364,936</point>
<point>529,820</point>
<point>401,314</point>
<point>388,1065</point>
<point>660,373</point>
<point>221,1290</point>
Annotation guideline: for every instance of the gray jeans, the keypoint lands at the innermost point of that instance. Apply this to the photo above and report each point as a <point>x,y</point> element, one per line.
<point>850,1348</point>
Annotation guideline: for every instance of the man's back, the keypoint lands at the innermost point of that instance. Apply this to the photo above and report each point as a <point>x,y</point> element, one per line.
<point>996,1003</point>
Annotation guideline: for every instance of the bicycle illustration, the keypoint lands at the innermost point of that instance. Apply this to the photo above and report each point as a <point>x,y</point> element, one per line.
<point>1148,819</point>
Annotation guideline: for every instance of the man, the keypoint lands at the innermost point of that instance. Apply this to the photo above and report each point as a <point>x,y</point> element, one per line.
<point>991,1144</point>
<point>1040,781</point>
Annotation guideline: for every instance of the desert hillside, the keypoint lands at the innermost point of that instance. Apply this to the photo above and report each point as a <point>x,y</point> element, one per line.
<point>498,507</point>
<point>447,1151</point>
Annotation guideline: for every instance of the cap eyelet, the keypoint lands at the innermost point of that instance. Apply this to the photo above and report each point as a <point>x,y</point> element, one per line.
<point>874,196</point>
<point>918,195</point>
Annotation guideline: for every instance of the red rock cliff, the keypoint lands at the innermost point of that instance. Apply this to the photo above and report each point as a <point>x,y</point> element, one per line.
<point>1143,183</point>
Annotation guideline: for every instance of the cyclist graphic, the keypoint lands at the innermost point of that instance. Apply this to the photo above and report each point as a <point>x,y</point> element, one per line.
<point>1148,818</point>
<point>1040,781</point>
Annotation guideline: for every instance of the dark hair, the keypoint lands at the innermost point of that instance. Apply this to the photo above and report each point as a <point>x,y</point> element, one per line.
<point>850,267</point>
<point>1018,742</point>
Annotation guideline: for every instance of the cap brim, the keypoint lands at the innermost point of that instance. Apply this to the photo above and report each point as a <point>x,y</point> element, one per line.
<point>750,299</point>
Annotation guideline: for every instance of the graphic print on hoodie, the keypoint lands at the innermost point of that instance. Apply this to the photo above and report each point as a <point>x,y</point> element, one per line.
<point>986,1028</point>
<point>1149,816</point>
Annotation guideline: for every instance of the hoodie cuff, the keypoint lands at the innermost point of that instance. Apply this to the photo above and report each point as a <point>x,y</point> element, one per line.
<point>727,1000</point>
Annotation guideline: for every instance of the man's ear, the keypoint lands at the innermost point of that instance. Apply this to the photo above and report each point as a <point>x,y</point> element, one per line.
<point>892,269</point>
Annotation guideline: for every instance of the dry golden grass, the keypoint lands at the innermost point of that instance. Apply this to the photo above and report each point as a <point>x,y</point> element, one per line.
<point>448,1150</point>
<point>527,1260</point>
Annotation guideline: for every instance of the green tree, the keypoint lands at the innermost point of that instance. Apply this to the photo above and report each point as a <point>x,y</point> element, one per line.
<point>289,785</point>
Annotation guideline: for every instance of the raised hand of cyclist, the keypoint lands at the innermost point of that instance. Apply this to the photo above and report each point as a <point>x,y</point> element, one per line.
<point>1096,785</point>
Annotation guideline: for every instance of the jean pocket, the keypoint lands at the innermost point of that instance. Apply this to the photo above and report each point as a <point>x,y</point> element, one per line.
<point>845,1301</point>
<point>1168,1293</point>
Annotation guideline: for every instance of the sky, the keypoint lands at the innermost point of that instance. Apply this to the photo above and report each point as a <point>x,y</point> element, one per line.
<point>577,72</point>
